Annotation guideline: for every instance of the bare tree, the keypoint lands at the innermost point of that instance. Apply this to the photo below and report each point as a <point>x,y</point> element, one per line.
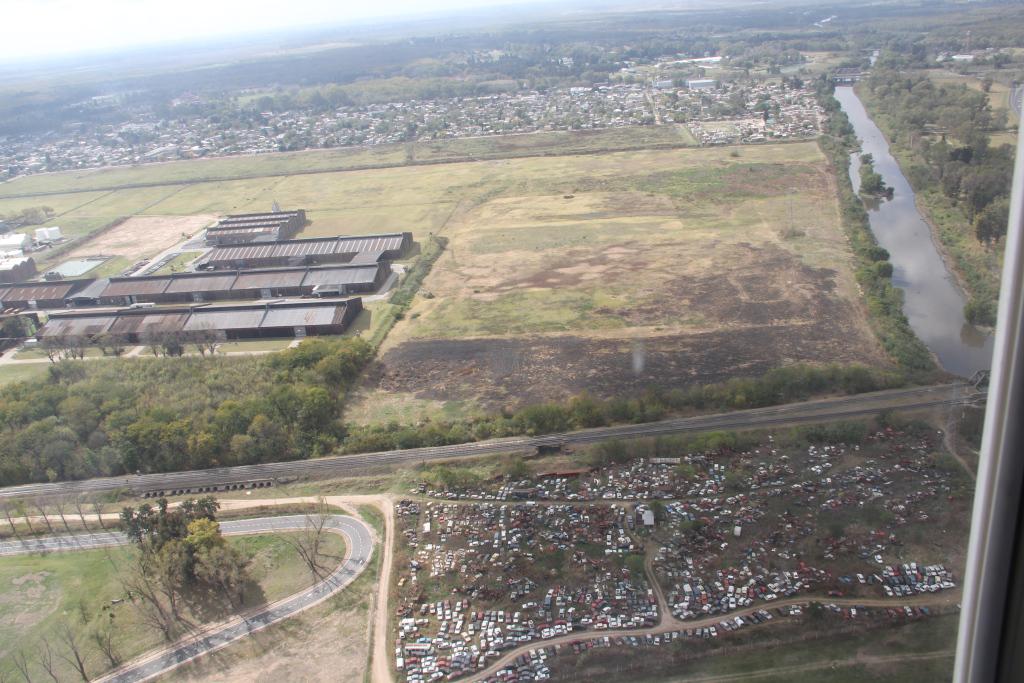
<point>151,338</point>
<point>42,511</point>
<point>146,597</point>
<point>307,542</point>
<point>97,508</point>
<point>112,343</point>
<point>10,520</point>
<point>74,654</point>
<point>103,637</point>
<point>23,511</point>
<point>21,664</point>
<point>53,347</point>
<point>205,339</point>
<point>60,502</point>
<point>45,658</point>
<point>80,511</point>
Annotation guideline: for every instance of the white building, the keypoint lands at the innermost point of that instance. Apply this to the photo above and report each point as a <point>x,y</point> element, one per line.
<point>701,84</point>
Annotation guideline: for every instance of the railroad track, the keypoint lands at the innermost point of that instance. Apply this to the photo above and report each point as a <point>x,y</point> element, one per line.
<point>197,481</point>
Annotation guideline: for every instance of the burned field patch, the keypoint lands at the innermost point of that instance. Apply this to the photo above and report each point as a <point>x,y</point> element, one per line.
<point>521,371</point>
<point>759,309</point>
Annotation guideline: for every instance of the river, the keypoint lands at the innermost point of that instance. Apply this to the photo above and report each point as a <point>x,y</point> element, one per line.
<point>933,302</point>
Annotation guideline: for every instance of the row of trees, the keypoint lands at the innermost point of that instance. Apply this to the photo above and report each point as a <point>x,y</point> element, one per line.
<point>874,271</point>
<point>160,343</point>
<point>777,386</point>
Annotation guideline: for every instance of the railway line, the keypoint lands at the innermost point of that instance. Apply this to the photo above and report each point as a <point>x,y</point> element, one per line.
<point>247,476</point>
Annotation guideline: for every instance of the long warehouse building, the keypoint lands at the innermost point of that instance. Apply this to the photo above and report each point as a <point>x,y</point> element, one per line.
<point>248,321</point>
<point>257,227</point>
<point>324,281</point>
<point>308,252</point>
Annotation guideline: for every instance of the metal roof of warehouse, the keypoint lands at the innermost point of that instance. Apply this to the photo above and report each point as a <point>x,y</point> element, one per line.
<point>340,276</point>
<point>76,326</point>
<point>307,247</point>
<point>34,291</point>
<point>225,319</point>
<point>167,321</point>
<point>298,316</point>
<point>201,283</point>
<point>371,243</point>
<point>133,286</point>
<point>244,217</point>
<point>269,279</point>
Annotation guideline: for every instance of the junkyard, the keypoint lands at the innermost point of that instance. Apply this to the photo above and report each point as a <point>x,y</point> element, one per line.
<point>666,544</point>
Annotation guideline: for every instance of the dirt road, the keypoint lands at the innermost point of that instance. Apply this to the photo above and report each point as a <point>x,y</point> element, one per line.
<point>670,623</point>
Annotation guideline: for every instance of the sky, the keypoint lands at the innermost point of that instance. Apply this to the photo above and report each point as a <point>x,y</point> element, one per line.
<point>31,29</point>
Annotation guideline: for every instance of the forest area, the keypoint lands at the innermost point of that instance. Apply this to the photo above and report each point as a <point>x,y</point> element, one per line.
<point>171,413</point>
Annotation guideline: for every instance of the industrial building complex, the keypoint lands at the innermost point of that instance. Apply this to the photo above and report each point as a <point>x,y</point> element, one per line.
<point>247,321</point>
<point>256,227</point>
<point>338,280</point>
<point>253,268</point>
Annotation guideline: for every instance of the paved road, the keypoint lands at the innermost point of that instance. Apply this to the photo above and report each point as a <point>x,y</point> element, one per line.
<point>844,407</point>
<point>359,546</point>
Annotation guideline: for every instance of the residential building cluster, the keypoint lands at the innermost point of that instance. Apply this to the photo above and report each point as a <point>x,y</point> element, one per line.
<point>147,137</point>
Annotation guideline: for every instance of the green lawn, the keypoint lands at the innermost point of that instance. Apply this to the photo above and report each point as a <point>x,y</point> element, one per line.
<point>22,372</point>
<point>40,593</point>
<point>36,353</point>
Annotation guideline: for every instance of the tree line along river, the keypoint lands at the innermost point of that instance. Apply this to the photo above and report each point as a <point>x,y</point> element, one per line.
<point>933,302</point>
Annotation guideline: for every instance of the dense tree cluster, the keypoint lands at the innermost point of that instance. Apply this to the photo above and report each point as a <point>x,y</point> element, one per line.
<point>167,414</point>
<point>182,555</point>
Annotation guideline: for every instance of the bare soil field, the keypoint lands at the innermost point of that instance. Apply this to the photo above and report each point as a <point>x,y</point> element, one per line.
<point>142,236</point>
<point>664,275</point>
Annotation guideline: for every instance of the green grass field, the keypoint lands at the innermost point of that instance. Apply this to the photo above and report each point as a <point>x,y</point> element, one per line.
<point>316,161</point>
<point>39,593</point>
<point>22,372</point>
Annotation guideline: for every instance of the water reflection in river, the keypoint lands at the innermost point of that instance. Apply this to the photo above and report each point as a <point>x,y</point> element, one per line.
<point>932,301</point>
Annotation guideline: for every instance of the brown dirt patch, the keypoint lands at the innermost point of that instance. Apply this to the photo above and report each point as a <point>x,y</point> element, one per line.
<point>754,286</point>
<point>330,647</point>
<point>500,372</point>
<point>142,236</point>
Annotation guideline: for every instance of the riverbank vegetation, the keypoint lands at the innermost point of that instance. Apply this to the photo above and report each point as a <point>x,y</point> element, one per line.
<point>941,136</point>
<point>873,271</point>
<point>871,182</point>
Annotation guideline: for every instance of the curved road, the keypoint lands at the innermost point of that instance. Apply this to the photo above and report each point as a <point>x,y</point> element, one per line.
<point>359,546</point>
<point>839,408</point>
